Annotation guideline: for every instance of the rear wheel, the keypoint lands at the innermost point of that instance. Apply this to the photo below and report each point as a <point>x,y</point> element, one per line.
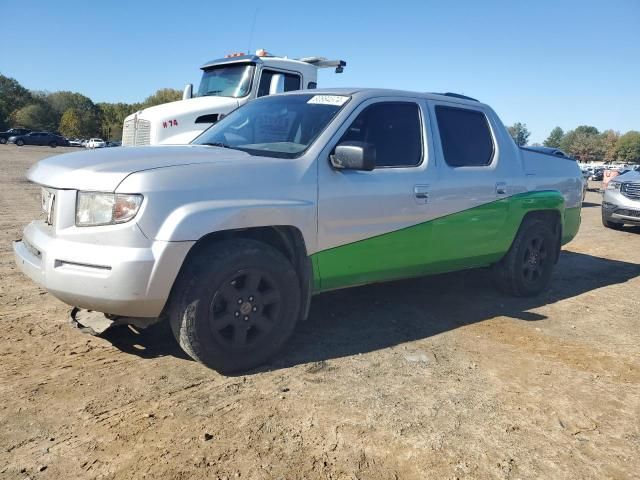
<point>3,140</point>
<point>526,269</point>
<point>53,144</point>
<point>20,142</point>
<point>609,224</point>
<point>235,304</point>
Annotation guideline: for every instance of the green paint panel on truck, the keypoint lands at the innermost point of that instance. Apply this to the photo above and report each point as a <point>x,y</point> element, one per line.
<point>571,224</point>
<point>472,238</point>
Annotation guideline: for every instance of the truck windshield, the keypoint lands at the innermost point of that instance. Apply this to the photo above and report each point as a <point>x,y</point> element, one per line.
<point>226,81</point>
<point>280,126</point>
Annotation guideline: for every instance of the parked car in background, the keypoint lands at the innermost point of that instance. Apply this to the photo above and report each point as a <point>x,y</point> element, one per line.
<point>39,138</point>
<point>74,142</point>
<point>621,201</point>
<point>114,144</point>
<point>597,175</point>
<point>96,143</point>
<point>12,132</point>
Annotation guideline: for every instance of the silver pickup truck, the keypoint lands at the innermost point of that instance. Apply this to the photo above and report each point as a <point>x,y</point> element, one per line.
<point>291,195</point>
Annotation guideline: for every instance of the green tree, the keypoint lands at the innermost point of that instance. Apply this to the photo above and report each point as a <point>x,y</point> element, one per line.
<point>13,96</point>
<point>112,116</point>
<point>629,147</point>
<point>609,139</point>
<point>587,130</point>
<point>554,138</point>
<point>62,101</point>
<point>520,133</point>
<point>164,95</point>
<point>584,143</point>
<point>36,116</point>
<point>71,124</point>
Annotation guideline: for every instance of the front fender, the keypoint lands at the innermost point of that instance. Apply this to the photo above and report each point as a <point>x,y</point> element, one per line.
<point>193,221</point>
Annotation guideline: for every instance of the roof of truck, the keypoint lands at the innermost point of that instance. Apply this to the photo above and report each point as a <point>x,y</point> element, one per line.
<point>252,59</point>
<point>386,92</point>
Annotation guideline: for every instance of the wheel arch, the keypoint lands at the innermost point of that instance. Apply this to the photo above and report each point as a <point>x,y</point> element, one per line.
<point>287,239</point>
<point>553,217</point>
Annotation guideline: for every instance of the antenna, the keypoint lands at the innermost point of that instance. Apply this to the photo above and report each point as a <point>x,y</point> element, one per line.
<point>253,26</point>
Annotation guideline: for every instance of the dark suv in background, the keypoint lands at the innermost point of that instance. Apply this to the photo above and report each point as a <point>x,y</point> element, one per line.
<point>12,132</point>
<point>39,138</point>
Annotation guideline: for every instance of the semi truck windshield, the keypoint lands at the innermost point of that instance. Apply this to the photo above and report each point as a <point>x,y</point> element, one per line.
<point>226,81</point>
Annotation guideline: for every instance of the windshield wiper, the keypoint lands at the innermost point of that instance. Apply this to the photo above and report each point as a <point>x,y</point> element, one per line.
<point>217,144</point>
<point>212,92</point>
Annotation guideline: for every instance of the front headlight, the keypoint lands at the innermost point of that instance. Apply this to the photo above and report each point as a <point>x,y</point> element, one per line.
<point>95,208</point>
<point>613,185</point>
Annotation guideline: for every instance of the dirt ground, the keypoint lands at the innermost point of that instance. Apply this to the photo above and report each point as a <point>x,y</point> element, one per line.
<point>439,378</point>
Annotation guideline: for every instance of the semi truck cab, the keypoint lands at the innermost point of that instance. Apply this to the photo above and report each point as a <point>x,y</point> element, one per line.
<point>226,84</point>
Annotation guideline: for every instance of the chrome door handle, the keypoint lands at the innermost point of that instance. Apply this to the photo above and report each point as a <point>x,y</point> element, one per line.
<point>421,192</point>
<point>501,188</point>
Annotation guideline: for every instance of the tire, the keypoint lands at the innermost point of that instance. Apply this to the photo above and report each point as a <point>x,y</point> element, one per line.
<point>525,270</point>
<point>609,224</point>
<point>20,143</point>
<point>3,140</point>
<point>235,304</point>
<point>53,144</point>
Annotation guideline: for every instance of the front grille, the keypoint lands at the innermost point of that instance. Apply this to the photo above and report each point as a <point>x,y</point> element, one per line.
<point>129,133</point>
<point>136,132</point>
<point>631,190</point>
<point>143,132</point>
<point>628,213</point>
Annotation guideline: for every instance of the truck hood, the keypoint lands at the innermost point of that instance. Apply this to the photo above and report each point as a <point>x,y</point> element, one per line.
<point>632,176</point>
<point>204,105</point>
<point>103,170</point>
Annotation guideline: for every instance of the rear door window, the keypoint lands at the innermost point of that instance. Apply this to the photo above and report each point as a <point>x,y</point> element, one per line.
<point>465,137</point>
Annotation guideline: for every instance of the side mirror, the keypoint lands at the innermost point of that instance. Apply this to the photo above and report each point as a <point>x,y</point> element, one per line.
<point>187,93</point>
<point>354,156</point>
<point>277,84</point>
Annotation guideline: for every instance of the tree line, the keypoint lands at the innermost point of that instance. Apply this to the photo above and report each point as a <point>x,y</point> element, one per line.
<point>587,144</point>
<point>76,116</point>
<point>69,113</point>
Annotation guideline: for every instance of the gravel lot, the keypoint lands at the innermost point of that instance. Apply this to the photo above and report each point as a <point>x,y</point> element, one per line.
<point>439,377</point>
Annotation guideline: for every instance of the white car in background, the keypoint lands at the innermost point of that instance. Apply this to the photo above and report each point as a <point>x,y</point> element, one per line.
<point>96,143</point>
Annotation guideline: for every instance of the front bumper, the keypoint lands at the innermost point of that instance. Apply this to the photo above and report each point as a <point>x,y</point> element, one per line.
<point>120,280</point>
<point>621,209</point>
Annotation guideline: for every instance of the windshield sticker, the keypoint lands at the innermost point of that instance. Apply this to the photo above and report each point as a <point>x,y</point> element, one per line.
<point>337,100</point>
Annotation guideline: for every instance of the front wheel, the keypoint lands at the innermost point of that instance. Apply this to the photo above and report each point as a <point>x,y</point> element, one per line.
<point>20,143</point>
<point>3,140</point>
<point>526,269</point>
<point>53,144</point>
<point>235,304</point>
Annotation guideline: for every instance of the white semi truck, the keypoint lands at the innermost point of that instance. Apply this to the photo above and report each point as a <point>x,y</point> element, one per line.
<point>226,84</point>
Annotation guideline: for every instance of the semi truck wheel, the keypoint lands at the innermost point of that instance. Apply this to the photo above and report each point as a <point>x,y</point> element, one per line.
<point>235,304</point>
<point>526,269</point>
